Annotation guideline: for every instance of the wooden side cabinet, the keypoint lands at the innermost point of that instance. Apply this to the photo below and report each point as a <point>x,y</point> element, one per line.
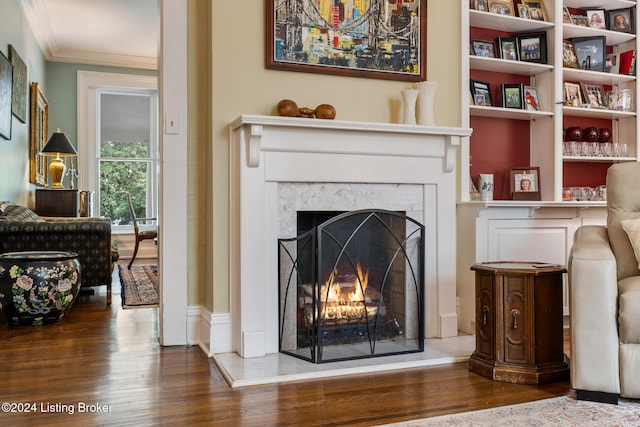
<point>519,336</point>
<point>56,202</point>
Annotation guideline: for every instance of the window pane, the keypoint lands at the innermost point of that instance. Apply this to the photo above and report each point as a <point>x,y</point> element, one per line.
<point>125,125</point>
<point>119,176</point>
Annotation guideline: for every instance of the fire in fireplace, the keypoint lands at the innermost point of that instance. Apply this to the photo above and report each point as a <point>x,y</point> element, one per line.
<point>351,286</point>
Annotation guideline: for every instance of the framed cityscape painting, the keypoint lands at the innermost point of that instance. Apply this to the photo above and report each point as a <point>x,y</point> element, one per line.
<point>364,38</point>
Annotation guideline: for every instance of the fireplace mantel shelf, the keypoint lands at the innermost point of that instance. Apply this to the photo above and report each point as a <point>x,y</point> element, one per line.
<point>255,124</point>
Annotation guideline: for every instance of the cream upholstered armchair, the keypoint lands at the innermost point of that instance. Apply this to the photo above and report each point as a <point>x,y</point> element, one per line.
<point>604,295</point>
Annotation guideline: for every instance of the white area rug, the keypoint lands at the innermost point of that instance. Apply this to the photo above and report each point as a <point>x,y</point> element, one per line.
<point>562,411</point>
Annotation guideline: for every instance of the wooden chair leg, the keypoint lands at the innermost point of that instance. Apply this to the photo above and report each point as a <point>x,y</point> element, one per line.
<point>135,252</point>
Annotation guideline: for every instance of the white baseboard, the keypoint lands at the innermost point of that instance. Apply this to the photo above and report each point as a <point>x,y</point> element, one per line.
<point>210,331</point>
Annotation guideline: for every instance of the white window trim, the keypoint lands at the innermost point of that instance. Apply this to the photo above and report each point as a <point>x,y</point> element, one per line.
<point>87,85</point>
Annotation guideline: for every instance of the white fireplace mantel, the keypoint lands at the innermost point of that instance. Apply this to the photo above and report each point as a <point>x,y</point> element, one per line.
<point>334,165</point>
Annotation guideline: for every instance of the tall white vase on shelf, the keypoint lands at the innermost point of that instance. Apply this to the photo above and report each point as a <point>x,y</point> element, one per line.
<point>426,97</point>
<point>409,98</point>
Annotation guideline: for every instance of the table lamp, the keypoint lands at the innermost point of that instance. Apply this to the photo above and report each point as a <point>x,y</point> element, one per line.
<point>58,145</point>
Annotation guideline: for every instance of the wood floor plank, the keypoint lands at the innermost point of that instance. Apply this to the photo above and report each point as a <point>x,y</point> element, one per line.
<point>111,357</point>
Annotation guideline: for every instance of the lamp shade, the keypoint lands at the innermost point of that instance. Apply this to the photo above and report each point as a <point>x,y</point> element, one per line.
<point>58,145</point>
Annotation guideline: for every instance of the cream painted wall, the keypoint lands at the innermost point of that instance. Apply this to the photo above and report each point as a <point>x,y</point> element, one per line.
<point>242,85</point>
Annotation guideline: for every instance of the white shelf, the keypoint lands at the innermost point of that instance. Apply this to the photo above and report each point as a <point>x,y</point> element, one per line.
<point>599,4</point>
<point>509,24</point>
<point>613,37</point>
<point>507,113</point>
<point>595,77</point>
<point>498,65</point>
<point>597,159</point>
<point>597,113</point>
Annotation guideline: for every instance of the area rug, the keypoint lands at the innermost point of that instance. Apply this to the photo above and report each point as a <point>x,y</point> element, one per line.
<point>139,285</point>
<point>559,411</point>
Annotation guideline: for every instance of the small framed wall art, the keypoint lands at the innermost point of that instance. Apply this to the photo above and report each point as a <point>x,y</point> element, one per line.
<point>525,183</point>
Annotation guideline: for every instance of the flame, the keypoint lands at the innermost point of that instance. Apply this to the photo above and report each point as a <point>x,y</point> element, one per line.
<point>346,305</point>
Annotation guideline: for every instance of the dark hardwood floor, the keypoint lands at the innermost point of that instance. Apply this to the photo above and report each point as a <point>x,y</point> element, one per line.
<point>110,358</point>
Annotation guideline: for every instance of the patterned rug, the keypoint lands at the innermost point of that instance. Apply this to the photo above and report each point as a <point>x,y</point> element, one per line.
<point>139,285</point>
<point>560,411</point>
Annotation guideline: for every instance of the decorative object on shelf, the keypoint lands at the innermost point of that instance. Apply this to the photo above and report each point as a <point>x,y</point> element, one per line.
<point>38,288</point>
<point>525,183</point>
<point>507,48</point>
<point>627,63</point>
<point>531,99</point>
<point>481,5</point>
<point>349,41</point>
<point>574,133</point>
<point>501,7</point>
<point>605,135</point>
<point>572,94</point>
<point>591,52</point>
<point>58,146</point>
<point>536,10</point>
<point>596,19</point>
<point>485,182</point>
<point>482,89</point>
<point>409,98</point>
<point>19,101</point>
<point>591,134</point>
<point>532,47</point>
<point>512,95</point>
<point>288,108</point>
<point>483,47</point>
<point>620,100</point>
<point>6,87</point>
<point>38,131</point>
<point>620,20</point>
<point>426,97</point>
<point>594,95</point>
<point>569,56</point>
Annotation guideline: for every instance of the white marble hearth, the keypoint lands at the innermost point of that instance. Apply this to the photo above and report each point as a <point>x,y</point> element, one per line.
<point>282,165</point>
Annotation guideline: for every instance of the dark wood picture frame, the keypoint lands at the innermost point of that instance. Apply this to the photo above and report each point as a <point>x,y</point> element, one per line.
<point>484,47</point>
<point>6,94</point>
<point>339,51</point>
<point>524,183</point>
<point>482,88</point>
<point>620,20</point>
<point>532,47</point>
<point>591,52</point>
<point>38,131</point>
<point>19,98</point>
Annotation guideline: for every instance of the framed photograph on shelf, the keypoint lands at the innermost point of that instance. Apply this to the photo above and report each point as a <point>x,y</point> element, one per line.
<point>569,55</point>
<point>501,7</point>
<point>483,47</point>
<point>508,48</point>
<point>572,94</point>
<point>481,88</point>
<point>566,16</point>
<point>512,95</point>
<point>594,95</point>
<point>480,5</point>
<point>525,183</point>
<point>580,20</point>
<point>532,47</point>
<point>303,39</point>
<point>620,20</point>
<point>536,10</point>
<point>531,99</point>
<point>523,11</point>
<point>591,52</point>
<point>596,19</point>
<point>479,100</point>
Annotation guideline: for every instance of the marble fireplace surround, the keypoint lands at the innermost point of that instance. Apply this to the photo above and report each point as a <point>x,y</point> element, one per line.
<point>280,165</point>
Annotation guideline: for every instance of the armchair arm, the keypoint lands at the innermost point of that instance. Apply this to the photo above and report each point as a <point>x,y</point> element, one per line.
<point>593,293</point>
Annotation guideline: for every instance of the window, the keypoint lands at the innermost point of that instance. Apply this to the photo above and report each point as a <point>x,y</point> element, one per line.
<point>118,144</point>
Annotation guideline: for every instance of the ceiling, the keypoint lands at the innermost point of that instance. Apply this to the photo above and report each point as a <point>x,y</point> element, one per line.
<point>102,32</point>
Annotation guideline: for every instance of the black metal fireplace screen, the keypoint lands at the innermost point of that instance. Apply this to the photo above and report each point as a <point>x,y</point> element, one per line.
<point>352,288</point>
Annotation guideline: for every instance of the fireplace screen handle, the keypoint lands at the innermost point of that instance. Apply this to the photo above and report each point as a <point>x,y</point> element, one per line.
<point>485,313</point>
<point>515,313</point>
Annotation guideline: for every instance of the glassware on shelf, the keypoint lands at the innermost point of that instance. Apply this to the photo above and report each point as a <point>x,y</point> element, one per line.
<point>620,99</point>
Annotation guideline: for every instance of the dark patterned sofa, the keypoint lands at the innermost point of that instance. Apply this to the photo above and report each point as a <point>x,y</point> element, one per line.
<point>23,230</point>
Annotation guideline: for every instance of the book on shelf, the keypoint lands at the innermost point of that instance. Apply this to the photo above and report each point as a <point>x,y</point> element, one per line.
<point>627,63</point>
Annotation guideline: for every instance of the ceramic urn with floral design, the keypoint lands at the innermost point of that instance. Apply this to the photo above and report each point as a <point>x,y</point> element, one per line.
<point>38,288</point>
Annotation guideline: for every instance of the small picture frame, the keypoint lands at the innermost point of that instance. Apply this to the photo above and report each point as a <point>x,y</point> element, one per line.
<point>566,16</point>
<point>596,19</point>
<point>572,94</point>
<point>591,52</point>
<point>620,20</point>
<point>531,99</point>
<point>536,10</point>
<point>594,95</point>
<point>501,7</point>
<point>532,47</point>
<point>483,47</point>
<point>484,89</point>
<point>569,55</point>
<point>512,95</point>
<point>523,11</point>
<point>479,100</point>
<point>508,48</point>
<point>481,5</point>
<point>580,20</point>
<point>525,183</point>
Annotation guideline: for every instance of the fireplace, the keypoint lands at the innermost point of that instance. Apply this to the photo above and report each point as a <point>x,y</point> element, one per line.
<point>352,286</point>
<point>281,165</point>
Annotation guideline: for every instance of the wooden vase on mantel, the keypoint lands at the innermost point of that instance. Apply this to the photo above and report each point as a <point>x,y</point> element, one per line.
<point>426,98</point>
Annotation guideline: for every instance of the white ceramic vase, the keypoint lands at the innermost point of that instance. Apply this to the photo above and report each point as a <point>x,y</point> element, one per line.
<point>426,97</point>
<point>409,98</point>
